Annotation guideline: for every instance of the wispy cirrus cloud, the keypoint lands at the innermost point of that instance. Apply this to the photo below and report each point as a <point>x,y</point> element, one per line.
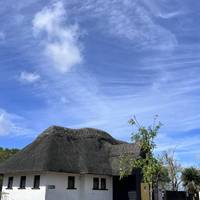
<point>169,15</point>
<point>129,20</point>
<point>61,41</point>
<point>133,21</point>
<point>140,28</point>
<point>164,9</point>
<point>184,144</point>
<point>6,125</point>
<point>28,77</point>
<point>12,124</point>
<point>2,36</point>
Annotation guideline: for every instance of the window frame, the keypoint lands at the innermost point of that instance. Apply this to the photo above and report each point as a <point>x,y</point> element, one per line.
<point>10,183</point>
<point>94,186</point>
<point>36,182</point>
<point>103,187</point>
<point>22,184</point>
<point>71,185</point>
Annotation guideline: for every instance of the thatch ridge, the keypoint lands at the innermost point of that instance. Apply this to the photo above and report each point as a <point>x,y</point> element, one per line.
<point>81,132</point>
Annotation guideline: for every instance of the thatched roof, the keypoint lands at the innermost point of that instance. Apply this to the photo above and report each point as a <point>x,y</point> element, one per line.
<point>60,149</point>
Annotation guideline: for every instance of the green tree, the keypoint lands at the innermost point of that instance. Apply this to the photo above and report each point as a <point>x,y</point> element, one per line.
<point>162,178</point>
<point>151,167</point>
<point>191,180</point>
<point>6,153</point>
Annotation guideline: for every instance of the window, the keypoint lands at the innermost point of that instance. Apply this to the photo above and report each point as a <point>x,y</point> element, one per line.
<point>10,183</point>
<point>36,183</point>
<point>95,183</point>
<point>22,182</point>
<point>71,182</point>
<point>103,184</point>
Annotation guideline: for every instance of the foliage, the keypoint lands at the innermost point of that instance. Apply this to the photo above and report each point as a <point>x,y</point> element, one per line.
<point>174,169</point>
<point>4,155</point>
<point>162,177</point>
<point>150,166</point>
<point>191,179</point>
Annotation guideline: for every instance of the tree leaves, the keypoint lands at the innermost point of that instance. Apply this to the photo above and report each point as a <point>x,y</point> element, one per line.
<point>149,165</point>
<point>191,179</point>
<point>6,153</point>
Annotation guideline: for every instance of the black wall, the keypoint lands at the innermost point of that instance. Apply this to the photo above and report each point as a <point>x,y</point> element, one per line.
<point>180,195</point>
<point>123,186</point>
<point>173,195</point>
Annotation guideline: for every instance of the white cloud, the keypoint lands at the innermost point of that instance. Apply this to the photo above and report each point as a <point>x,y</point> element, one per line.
<point>6,126</point>
<point>29,77</point>
<point>11,124</point>
<point>61,45</point>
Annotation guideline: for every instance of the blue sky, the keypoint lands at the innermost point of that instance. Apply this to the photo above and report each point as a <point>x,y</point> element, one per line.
<point>96,63</point>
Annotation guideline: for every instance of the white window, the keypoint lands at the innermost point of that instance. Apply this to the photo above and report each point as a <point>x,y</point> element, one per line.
<point>99,183</point>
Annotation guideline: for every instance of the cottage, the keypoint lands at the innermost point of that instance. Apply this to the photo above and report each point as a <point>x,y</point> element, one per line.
<point>70,164</point>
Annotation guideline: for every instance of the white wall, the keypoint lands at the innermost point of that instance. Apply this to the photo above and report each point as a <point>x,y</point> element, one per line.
<point>61,192</point>
<point>84,188</point>
<point>23,194</point>
<point>83,183</point>
<point>90,194</point>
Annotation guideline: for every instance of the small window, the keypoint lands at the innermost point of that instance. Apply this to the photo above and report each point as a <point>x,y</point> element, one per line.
<point>95,183</point>
<point>103,184</point>
<point>22,182</point>
<point>51,187</point>
<point>10,183</point>
<point>71,182</point>
<point>36,183</point>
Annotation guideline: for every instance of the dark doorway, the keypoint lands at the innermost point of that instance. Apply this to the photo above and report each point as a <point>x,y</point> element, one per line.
<point>124,189</point>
